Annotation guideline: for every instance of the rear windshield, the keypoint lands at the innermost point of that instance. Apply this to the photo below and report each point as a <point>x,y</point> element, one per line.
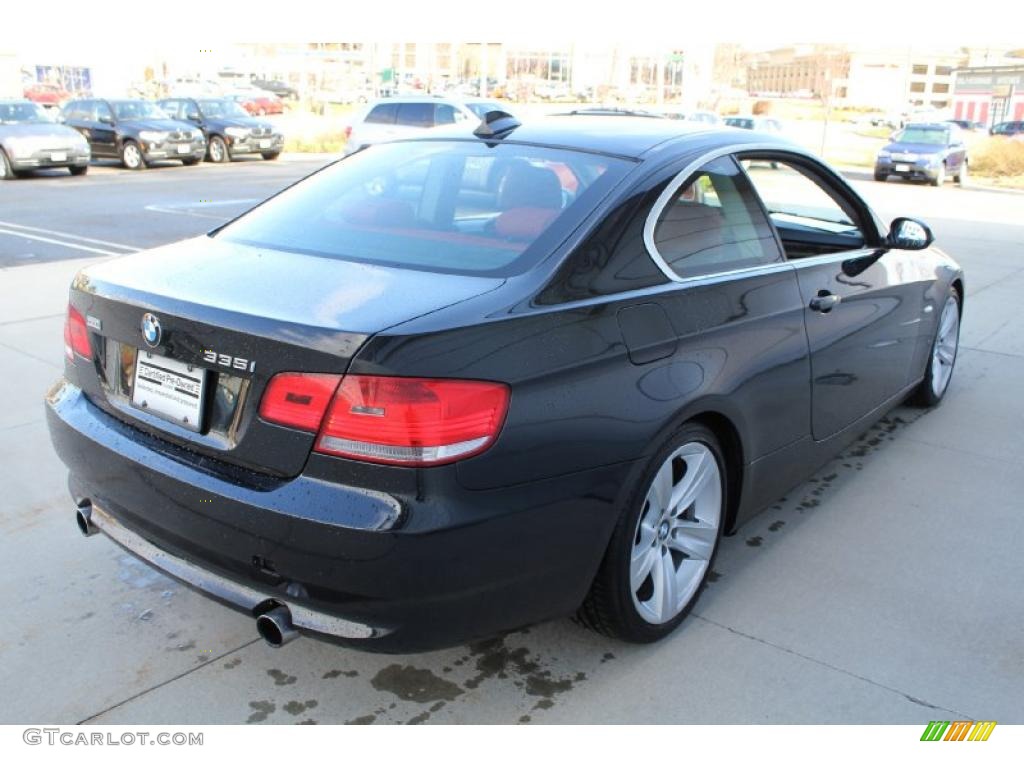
<point>448,206</point>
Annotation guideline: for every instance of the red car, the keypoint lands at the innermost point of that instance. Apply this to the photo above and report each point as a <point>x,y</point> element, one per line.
<point>46,93</point>
<point>258,103</point>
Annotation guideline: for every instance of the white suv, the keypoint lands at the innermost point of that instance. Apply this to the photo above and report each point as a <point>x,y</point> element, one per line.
<point>402,116</point>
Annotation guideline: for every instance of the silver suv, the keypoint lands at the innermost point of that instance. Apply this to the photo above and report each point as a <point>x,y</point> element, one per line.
<point>402,116</point>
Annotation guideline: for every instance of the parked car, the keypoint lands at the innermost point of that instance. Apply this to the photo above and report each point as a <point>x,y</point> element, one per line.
<point>926,151</point>
<point>437,390</point>
<point>402,116</point>
<point>695,116</point>
<point>967,125</point>
<point>1008,128</point>
<point>228,129</point>
<point>279,88</point>
<point>754,123</point>
<point>46,93</point>
<point>135,131</point>
<point>257,102</point>
<point>29,139</point>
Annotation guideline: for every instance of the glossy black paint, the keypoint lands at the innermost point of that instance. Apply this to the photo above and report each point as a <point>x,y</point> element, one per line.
<point>605,357</point>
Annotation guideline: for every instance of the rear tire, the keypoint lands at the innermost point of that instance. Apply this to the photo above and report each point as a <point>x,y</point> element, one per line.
<point>660,554</point>
<point>271,155</point>
<point>961,177</point>
<point>942,358</point>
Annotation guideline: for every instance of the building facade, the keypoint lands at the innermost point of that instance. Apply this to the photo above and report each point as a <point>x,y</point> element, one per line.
<point>989,95</point>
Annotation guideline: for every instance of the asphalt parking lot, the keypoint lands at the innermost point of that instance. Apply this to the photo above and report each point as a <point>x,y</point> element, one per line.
<point>887,589</point>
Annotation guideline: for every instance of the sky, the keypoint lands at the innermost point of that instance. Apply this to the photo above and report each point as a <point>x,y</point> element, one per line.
<point>768,23</point>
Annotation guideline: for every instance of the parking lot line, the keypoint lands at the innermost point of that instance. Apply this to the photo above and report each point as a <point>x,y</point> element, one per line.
<point>64,243</point>
<point>80,238</point>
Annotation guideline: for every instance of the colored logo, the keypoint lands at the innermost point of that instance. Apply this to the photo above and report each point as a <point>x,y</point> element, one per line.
<point>151,329</point>
<point>960,730</point>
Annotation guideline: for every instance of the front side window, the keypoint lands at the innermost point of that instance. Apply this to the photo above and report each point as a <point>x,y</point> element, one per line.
<point>138,110</point>
<point>713,224</point>
<point>450,206</point>
<point>811,218</point>
<point>101,111</point>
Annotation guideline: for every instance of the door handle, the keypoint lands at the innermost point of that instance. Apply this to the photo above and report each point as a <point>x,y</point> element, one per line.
<point>824,301</point>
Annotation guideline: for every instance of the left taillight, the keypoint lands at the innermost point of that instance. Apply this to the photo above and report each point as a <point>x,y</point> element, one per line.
<point>76,336</point>
<point>298,400</point>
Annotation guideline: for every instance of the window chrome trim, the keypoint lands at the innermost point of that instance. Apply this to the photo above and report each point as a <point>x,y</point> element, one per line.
<point>680,178</point>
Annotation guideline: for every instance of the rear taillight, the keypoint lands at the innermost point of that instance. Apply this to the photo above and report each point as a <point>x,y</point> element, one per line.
<point>387,419</point>
<point>413,422</point>
<point>298,400</point>
<point>348,132</point>
<point>76,336</point>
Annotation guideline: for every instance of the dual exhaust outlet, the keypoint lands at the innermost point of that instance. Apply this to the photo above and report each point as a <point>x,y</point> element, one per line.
<point>273,625</point>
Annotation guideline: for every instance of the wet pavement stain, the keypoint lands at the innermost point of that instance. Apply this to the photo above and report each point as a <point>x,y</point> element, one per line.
<point>308,721</point>
<point>232,664</point>
<point>186,646</point>
<point>713,576</point>
<point>754,541</point>
<point>422,717</point>
<point>338,673</point>
<point>414,684</point>
<point>280,678</point>
<point>776,526</point>
<point>609,655</point>
<point>261,711</point>
<point>298,707</point>
<point>361,720</point>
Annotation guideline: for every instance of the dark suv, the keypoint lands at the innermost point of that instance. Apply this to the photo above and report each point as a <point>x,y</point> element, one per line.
<point>279,88</point>
<point>928,151</point>
<point>229,130</point>
<point>134,130</point>
<point>1009,128</point>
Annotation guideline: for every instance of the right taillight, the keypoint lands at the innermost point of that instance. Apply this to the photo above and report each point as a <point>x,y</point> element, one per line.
<point>389,419</point>
<point>348,131</point>
<point>412,422</point>
<point>76,336</point>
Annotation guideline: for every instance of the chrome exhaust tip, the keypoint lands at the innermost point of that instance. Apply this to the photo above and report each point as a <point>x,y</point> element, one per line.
<point>275,627</point>
<point>83,517</point>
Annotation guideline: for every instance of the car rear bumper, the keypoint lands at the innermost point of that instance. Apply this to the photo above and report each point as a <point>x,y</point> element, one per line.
<point>391,571</point>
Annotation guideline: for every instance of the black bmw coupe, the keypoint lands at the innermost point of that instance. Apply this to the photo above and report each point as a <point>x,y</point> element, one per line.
<point>457,384</point>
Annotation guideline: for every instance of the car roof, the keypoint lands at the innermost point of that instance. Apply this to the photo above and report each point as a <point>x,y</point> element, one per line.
<point>619,135</point>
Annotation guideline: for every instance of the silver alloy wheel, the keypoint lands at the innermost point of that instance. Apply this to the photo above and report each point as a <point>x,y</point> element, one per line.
<point>944,349</point>
<point>940,176</point>
<point>216,151</point>
<point>132,156</point>
<point>676,533</point>
<point>963,174</point>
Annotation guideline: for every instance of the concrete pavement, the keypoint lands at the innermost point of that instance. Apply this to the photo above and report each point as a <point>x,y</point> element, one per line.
<point>884,590</point>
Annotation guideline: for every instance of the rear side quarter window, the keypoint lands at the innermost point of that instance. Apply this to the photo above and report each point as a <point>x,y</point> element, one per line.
<point>713,224</point>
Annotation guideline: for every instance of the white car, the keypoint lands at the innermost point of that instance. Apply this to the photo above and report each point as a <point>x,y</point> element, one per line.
<point>402,116</point>
<point>754,123</point>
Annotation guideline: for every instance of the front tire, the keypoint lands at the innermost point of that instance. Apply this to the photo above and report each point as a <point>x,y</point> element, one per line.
<point>881,176</point>
<point>191,161</point>
<point>664,544</point>
<point>78,170</point>
<point>940,176</point>
<point>271,155</point>
<point>943,355</point>
<point>131,156</point>
<point>6,172</point>
<point>218,150</point>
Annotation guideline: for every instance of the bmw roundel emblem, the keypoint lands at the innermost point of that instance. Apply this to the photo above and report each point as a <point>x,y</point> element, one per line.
<point>151,329</point>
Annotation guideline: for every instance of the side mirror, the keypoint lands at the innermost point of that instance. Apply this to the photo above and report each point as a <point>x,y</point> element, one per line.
<point>909,235</point>
<point>106,119</point>
<point>193,116</point>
